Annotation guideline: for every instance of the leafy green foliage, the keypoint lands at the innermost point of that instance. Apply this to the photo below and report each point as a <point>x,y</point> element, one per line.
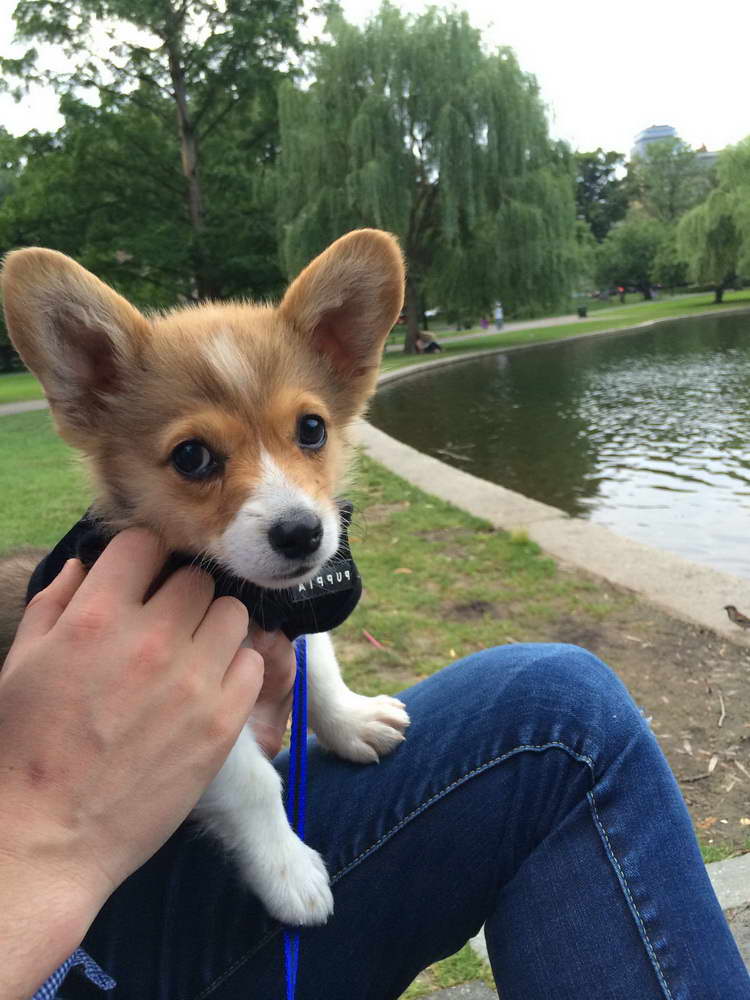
<point>669,179</point>
<point>714,238</point>
<point>709,241</point>
<point>409,125</point>
<point>733,170</point>
<point>628,255</point>
<point>670,268</point>
<point>601,196</point>
<point>586,247</point>
<point>184,128</point>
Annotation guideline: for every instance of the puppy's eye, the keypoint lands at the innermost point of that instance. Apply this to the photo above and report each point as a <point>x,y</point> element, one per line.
<point>311,432</point>
<point>194,460</point>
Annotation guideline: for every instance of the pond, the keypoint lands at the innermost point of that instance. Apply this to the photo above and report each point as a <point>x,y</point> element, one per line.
<point>647,432</point>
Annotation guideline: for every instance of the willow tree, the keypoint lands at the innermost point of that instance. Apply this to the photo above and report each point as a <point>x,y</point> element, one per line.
<point>710,241</point>
<point>733,170</point>
<point>408,124</point>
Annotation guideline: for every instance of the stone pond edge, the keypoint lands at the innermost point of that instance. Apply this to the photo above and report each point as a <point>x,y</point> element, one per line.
<point>686,590</point>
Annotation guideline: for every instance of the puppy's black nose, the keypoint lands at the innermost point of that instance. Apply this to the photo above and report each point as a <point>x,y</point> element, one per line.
<point>297,535</point>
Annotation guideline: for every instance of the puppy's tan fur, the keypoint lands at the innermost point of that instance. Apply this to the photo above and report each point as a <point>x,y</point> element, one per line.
<point>124,388</point>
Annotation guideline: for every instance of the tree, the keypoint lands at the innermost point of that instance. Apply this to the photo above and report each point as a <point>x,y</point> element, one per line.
<point>628,255</point>
<point>733,171</point>
<point>409,125</point>
<point>195,66</point>
<point>586,247</point>
<point>669,267</point>
<point>10,167</point>
<point>669,179</point>
<point>601,196</point>
<point>710,241</point>
<point>131,226</point>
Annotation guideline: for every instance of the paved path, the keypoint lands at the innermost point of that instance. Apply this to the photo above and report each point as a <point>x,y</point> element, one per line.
<point>6,409</point>
<point>523,324</point>
<point>468,991</point>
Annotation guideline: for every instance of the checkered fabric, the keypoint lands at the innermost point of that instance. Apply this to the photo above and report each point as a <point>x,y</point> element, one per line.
<point>85,964</point>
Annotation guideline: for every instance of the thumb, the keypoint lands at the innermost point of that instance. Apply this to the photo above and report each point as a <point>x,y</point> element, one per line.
<point>45,608</point>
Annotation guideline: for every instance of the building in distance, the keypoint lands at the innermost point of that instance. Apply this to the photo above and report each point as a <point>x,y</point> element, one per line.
<point>655,133</point>
<point>658,133</point>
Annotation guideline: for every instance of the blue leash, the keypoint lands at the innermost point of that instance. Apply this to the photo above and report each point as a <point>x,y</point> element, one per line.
<point>296,797</point>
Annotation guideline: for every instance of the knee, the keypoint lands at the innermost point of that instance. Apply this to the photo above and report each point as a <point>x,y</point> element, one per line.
<point>558,692</point>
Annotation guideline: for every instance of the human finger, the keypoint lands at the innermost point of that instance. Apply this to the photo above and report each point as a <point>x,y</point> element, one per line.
<point>183,599</point>
<point>125,569</point>
<point>279,660</point>
<point>243,680</point>
<point>45,608</point>
<point>221,632</point>
<point>261,640</point>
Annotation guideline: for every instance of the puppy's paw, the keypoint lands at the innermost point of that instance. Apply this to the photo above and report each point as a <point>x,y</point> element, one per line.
<point>292,883</point>
<point>363,729</point>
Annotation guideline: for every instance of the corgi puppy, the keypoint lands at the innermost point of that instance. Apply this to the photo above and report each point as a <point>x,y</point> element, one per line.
<point>224,427</point>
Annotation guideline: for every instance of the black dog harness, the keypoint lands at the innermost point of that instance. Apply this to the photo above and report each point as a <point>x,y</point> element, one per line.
<point>317,605</point>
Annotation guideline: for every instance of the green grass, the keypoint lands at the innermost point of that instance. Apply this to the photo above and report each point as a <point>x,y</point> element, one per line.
<point>615,318</point>
<point>462,967</point>
<point>22,386</point>
<point>439,583</point>
<point>469,586</point>
<point>721,852</point>
<point>19,387</point>
<point>42,487</point>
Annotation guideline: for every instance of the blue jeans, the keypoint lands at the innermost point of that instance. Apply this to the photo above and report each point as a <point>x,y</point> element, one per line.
<point>529,796</point>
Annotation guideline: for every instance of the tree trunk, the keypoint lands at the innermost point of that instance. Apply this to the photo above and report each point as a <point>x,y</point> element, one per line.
<point>647,296</point>
<point>412,316</point>
<point>189,155</point>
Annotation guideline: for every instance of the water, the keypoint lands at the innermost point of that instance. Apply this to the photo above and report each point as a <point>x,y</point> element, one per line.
<point>645,432</point>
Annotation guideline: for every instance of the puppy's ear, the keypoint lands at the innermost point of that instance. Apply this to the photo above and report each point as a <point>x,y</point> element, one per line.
<point>76,335</point>
<point>345,303</point>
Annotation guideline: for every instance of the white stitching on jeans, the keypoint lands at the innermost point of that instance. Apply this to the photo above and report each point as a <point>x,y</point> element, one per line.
<point>214,985</point>
<point>434,798</point>
<point>459,781</point>
<point>595,815</point>
<point>624,883</point>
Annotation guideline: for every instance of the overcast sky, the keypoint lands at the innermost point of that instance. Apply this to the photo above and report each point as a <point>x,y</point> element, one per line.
<point>606,70</point>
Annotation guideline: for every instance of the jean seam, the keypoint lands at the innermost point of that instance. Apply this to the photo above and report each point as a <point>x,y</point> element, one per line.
<point>208,990</point>
<point>536,748</point>
<point>238,963</point>
<point>448,788</point>
<point>629,897</point>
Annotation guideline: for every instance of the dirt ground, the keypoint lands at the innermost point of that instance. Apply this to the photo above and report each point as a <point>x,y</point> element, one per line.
<point>694,686</point>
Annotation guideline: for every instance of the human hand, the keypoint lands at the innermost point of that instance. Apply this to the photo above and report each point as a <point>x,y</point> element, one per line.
<point>270,715</point>
<point>115,715</point>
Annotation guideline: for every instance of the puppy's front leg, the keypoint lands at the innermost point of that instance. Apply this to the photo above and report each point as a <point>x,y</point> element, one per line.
<point>244,808</point>
<point>351,725</point>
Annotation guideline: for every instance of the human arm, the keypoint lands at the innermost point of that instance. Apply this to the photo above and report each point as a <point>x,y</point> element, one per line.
<point>114,716</point>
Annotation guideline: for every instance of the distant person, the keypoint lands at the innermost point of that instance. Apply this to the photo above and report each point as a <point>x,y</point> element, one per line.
<point>499,317</point>
<point>621,293</point>
<point>426,343</point>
